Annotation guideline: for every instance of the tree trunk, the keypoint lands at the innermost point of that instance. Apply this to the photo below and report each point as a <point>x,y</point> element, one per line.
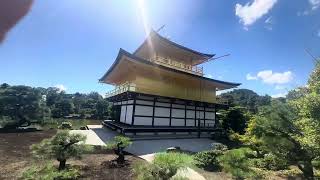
<point>307,170</point>
<point>120,153</point>
<point>62,164</point>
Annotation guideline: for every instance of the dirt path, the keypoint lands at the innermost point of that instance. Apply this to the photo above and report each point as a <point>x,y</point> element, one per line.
<point>15,151</point>
<point>15,157</point>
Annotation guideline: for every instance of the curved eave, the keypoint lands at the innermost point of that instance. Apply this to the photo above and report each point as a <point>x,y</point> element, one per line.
<point>141,60</point>
<point>154,33</point>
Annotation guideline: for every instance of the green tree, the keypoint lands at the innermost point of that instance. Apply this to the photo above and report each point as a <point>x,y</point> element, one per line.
<point>62,108</point>
<point>21,105</point>
<point>62,146</point>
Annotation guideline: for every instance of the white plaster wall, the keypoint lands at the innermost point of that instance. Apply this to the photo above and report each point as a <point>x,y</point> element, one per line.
<point>143,121</point>
<point>209,109</point>
<point>200,108</point>
<point>164,112</point>
<point>210,123</point>
<point>144,110</point>
<point>145,97</point>
<point>123,114</point>
<point>130,102</point>
<point>200,114</point>
<point>124,102</point>
<point>190,122</point>
<point>177,122</point>
<point>190,107</point>
<point>129,114</point>
<point>177,113</point>
<point>210,115</point>
<point>178,106</point>
<point>161,121</point>
<point>162,104</point>
<point>190,114</point>
<point>144,102</point>
<point>163,100</point>
<point>201,123</point>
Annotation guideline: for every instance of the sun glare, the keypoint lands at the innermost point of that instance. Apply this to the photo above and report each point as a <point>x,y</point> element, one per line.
<point>142,11</point>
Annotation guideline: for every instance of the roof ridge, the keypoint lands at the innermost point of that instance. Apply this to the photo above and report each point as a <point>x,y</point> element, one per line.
<point>154,33</point>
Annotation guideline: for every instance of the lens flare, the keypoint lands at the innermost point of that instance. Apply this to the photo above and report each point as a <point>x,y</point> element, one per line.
<point>142,10</point>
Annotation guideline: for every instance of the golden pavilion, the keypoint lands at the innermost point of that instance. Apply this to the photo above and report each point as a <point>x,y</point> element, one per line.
<point>161,88</point>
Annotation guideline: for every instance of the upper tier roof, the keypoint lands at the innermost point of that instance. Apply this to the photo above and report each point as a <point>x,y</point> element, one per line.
<point>155,43</point>
<point>126,56</point>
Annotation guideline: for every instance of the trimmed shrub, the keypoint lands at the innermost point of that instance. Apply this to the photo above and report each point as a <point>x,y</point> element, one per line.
<point>65,125</point>
<point>208,160</point>
<point>169,163</point>
<point>236,162</point>
<point>163,167</point>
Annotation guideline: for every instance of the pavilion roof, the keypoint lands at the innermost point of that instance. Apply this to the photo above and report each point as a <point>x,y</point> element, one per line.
<point>155,39</point>
<point>126,55</point>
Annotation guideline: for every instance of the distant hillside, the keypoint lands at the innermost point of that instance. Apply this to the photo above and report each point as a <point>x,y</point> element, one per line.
<point>246,98</point>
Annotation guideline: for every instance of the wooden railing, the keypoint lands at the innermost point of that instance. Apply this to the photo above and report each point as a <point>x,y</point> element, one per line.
<point>127,86</point>
<point>178,65</point>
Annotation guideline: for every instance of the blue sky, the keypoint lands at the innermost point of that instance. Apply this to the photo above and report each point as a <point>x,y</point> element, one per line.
<point>72,43</point>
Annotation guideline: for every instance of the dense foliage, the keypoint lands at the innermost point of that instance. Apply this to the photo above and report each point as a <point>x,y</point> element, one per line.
<point>19,105</point>
<point>208,160</point>
<point>23,105</point>
<point>62,146</point>
<point>288,133</point>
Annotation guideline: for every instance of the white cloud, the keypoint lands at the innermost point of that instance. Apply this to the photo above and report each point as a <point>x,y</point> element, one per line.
<point>61,87</point>
<point>279,95</point>
<point>250,77</point>
<point>253,11</point>
<point>208,76</point>
<point>269,77</point>
<point>315,4</point>
<point>275,78</point>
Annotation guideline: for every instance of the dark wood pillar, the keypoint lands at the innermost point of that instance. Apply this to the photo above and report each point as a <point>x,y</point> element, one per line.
<point>185,114</point>
<point>170,113</point>
<point>204,115</point>
<point>216,121</point>
<point>133,109</point>
<point>153,110</point>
